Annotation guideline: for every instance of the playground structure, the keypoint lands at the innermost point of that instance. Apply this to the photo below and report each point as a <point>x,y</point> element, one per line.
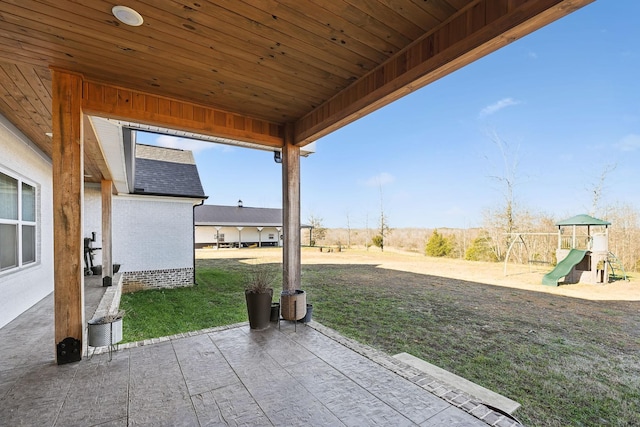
<point>584,257</point>
<point>532,247</point>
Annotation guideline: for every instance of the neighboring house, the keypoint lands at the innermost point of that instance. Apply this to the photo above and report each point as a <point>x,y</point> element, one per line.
<point>152,215</point>
<point>237,226</point>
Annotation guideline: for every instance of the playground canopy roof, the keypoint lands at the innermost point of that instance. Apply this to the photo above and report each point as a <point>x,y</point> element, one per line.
<point>582,219</point>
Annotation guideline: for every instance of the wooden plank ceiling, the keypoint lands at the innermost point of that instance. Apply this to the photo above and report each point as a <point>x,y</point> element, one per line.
<point>315,64</point>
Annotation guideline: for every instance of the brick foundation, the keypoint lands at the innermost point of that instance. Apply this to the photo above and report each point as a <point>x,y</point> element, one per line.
<point>157,279</point>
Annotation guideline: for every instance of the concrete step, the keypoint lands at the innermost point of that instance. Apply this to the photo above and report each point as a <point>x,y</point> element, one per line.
<point>485,395</point>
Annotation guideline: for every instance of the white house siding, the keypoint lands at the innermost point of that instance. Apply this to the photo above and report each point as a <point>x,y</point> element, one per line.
<point>92,217</point>
<point>20,289</point>
<point>153,240</point>
<point>206,235</point>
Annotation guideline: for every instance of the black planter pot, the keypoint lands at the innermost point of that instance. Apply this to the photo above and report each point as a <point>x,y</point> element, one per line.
<point>275,311</point>
<point>259,308</point>
<point>97,269</point>
<point>307,317</point>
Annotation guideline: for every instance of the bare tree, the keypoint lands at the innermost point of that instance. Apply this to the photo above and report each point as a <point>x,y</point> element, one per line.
<point>317,231</point>
<point>503,221</point>
<point>624,234</point>
<point>368,238</point>
<point>383,229</point>
<point>348,231</point>
<point>598,187</point>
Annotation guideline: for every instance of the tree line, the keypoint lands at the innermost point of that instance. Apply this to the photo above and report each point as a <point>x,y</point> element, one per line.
<point>491,240</point>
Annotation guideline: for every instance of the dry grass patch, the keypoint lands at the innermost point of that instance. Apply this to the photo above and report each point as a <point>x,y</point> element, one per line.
<point>567,360</point>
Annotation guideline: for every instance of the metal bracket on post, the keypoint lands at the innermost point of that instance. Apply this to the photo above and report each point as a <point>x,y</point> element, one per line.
<point>69,350</point>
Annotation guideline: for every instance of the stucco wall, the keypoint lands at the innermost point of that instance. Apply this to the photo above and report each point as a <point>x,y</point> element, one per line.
<point>149,233</point>
<point>20,289</point>
<point>152,233</point>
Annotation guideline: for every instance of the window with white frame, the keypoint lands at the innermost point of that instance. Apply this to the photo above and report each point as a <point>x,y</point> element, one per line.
<point>17,222</point>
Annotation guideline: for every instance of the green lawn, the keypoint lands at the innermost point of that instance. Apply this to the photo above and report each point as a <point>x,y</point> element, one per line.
<point>567,361</point>
<point>217,300</point>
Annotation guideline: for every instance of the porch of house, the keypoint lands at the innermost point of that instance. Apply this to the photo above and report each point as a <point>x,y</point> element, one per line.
<point>304,375</point>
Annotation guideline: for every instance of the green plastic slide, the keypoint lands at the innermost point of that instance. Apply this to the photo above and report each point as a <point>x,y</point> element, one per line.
<point>563,268</point>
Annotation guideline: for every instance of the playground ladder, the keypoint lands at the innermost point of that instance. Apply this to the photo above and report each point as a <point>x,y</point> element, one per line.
<point>615,265</point>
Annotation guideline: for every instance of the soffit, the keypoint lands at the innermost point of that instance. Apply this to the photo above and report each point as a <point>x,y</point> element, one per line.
<point>315,64</point>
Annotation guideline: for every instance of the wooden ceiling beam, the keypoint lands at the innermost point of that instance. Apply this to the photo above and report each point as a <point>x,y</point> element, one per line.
<point>479,29</point>
<point>104,100</point>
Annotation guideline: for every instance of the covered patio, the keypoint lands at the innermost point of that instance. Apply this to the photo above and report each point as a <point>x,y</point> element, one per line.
<point>304,375</point>
<point>274,75</point>
<point>270,75</point>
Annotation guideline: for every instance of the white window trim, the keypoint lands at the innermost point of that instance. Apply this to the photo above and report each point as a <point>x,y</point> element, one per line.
<point>20,222</point>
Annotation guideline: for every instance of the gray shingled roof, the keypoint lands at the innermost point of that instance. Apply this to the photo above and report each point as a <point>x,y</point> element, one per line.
<point>238,216</point>
<point>163,171</point>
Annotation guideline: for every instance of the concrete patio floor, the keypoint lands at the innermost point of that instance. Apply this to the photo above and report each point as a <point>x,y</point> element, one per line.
<point>222,376</point>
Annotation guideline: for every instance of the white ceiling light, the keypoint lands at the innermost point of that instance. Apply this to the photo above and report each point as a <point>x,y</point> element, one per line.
<point>128,16</point>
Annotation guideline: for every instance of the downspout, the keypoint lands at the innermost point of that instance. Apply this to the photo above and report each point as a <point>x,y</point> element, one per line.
<point>194,239</point>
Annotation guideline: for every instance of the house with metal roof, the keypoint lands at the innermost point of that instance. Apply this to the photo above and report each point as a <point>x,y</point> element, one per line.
<point>218,226</point>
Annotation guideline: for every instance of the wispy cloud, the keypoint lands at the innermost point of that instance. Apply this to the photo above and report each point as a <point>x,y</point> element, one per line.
<point>532,55</point>
<point>630,142</point>
<point>380,179</point>
<point>186,144</point>
<point>497,106</point>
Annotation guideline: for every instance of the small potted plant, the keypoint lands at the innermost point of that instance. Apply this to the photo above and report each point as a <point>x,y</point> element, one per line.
<point>258,294</point>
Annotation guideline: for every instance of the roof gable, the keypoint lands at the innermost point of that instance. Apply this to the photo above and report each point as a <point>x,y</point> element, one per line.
<point>166,172</point>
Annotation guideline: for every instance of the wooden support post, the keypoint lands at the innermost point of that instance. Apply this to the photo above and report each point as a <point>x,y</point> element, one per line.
<point>68,189</point>
<point>559,237</point>
<point>291,212</point>
<point>107,257</point>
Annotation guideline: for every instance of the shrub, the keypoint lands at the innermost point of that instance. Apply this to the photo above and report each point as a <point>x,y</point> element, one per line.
<point>480,250</point>
<point>438,245</point>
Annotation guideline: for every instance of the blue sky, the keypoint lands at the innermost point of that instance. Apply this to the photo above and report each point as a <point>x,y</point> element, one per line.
<point>566,100</point>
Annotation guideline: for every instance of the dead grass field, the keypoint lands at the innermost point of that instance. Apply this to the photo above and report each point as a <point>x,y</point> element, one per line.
<point>518,276</point>
<point>570,355</point>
